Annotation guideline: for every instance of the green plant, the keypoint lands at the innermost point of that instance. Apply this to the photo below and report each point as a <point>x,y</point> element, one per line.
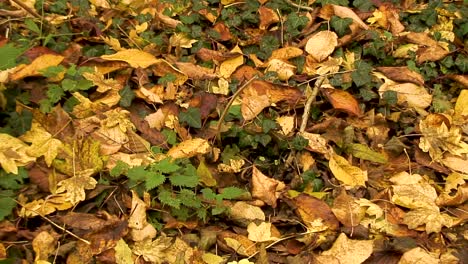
<point>176,185</point>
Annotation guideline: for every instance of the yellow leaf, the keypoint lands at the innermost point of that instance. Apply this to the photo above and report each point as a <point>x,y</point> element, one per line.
<point>283,69</point>
<point>74,188</point>
<point>189,148</point>
<point>261,232</point>
<point>123,253</point>
<point>136,58</point>
<point>349,251</point>
<point>102,84</point>
<point>181,40</point>
<point>227,67</point>
<point>38,64</point>
<point>45,207</point>
<point>322,44</point>
<point>429,216</point>
<point>265,188</point>
<point>344,12</point>
<point>43,144</point>
<point>346,173</point>
<point>317,143</point>
<point>205,175</point>
<point>13,153</point>
<point>418,255</point>
<point>152,250</point>
<point>44,244</point>
<point>286,123</point>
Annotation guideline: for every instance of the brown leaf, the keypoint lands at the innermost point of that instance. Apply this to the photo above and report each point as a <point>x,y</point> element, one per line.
<point>223,31</point>
<point>460,197</point>
<point>213,55</point>
<point>266,188</point>
<point>402,74</point>
<point>322,44</point>
<point>346,209</point>
<point>267,17</point>
<point>195,72</point>
<point>342,100</point>
<point>314,211</point>
<point>236,243</point>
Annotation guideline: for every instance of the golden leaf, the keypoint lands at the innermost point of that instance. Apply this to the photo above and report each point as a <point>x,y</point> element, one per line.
<point>346,173</point>
<point>136,58</point>
<point>322,44</point>
<point>349,251</point>
<point>13,153</point>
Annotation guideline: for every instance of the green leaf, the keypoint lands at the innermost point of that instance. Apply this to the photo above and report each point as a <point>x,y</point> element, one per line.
<point>299,142</point>
<point>7,207</point>
<point>363,5</point>
<point>52,71</point>
<point>126,96</point>
<point>120,168</point>
<point>168,78</point>
<point>232,193</point>
<point>167,198</point>
<point>183,180</point>
<point>31,25</point>
<point>165,166</point>
<point>268,125</point>
<point>171,136</point>
<point>12,181</point>
<point>138,173</point>
<point>362,74</point>
<point>364,152</point>
<point>55,93</point>
<point>8,53</point>
<point>390,97</point>
<point>153,180</point>
<point>189,198</point>
<point>208,194</point>
<point>45,105</point>
<point>192,117</point>
<point>340,25</point>
<point>462,62</point>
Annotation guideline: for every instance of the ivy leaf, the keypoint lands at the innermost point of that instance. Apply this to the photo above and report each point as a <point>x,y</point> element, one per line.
<point>126,96</point>
<point>192,117</point>
<point>462,62</point>
<point>340,25</point>
<point>362,74</point>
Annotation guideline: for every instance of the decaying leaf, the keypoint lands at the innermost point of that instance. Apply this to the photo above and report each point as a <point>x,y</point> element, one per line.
<point>260,233</point>
<point>13,153</point>
<point>321,45</point>
<point>265,188</point>
<point>136,58</point>
<point>34,69</point>
<point>189,148</point>
<point>315,213</point>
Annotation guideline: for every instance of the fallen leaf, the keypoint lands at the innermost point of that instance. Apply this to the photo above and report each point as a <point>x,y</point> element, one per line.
<point>408,93</point>
<point>317,143</point>
<point>350,251</point>
<point>123,253</point>
<point>402,74</point>
<point>35,67</point>
<point>418,255</point>
<point>286,123</point>
<point>261,232</point>
<point>283,69</point>
<point>267,17</point>
<point>152,250</point>
<point>13,153</point>
<point>229,66</point>
<point>342,100</point>
<point>347,210</point>
<point>43,144</point>
<point>345,12</point>
<point>74,188</point>
<point>44,244</point>
<point>238,243</point>
<point>346,173</point>
<point>315,213</point>
<point>322,44</point>
<point>189,148</point>
<point>246,212</point>
<point>136,58</point>
<point>265,188</point>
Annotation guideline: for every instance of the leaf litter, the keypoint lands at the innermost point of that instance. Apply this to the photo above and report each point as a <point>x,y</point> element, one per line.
<point>269,131</point>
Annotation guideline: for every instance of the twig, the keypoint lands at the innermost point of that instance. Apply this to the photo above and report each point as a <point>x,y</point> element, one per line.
<point>226,109</point>
<point>299,6</point>
<point>310,100</point>
<point>27,8</point>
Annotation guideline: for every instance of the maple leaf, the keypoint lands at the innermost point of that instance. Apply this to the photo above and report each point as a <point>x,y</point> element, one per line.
<point>260,233</point>
<point>43,143</point>
<point>74,188</point>
<point>13,153</point>
<point>348,250</point>
<point>439,137</point>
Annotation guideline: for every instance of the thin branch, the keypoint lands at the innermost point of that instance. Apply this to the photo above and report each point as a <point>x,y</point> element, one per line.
<point>299,6</point>
<point>226,109</point>
<point>310,100</point>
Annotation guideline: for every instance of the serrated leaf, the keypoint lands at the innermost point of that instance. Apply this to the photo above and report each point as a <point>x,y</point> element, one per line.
<point>189,198</point>
<point>9,53</point>
<point>167,198</point>
<point>165,166</point>
<point>231,192</point>
<point>184,181</point>
<point>153,180</point>
<point>119,169</point>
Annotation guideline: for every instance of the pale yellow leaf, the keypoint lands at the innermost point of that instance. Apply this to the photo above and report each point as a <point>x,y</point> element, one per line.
<point>286,123</point>
<point>189,148</point>
<point>43,144</point>
<point>136,58</point>
<point>317,143</point>
<point>13,153</point>
<point>123,253</point>
<point>409,94</point>
<point>346,173</point>
<point>44,244</point>
<point>429,216</point>
<point>244,211</point>
<point>414,195</point>
<point>261,232</point>
<point>74,188</point>
<point>418,255</point>
<point>283,69</point>
<point>45,207</point>
<point>350,251</point>
<point>344,12</point>
<point>322,44</point>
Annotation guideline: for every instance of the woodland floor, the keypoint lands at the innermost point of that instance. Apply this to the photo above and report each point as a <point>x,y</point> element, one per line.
<point>225,131</point>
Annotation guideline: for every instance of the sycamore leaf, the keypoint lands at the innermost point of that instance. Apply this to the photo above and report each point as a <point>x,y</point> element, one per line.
<point>346,173</point>
<point>43,245</point>
<point>439,137</point>
<point>35,67</point>
<point>45,207</point>
<point>189,148</point>
<point>123,253</point>
<point>152,250</point>
<point>13,153</point>
<point>43,144</point>
<point>74,188</point>
<point>429,216</point>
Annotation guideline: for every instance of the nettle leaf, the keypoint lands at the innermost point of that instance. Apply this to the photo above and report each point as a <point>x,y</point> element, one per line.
<point>9,53</point>
<point>232,193</point>
<point>165,166</point>
<point>168,78</point>
<point>340,25</point>
<point>362,74</point>
<point>52,71</point>
<point>168,198</point>
<point>55,93</point>
<point>138,173</point>
<point>8,204</point>
<point>189,198</point>
<point>171,136</point>
<point>154,180</point>
<point>120,168</point>
<point>183,180</point>
<point>13,181</point>
<point>208,194</point>
<point>192,117</point>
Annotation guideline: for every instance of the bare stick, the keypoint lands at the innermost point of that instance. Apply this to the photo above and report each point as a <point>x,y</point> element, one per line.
<point>310,100</point>
<point>27,8</point>
<point>299,6</point>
